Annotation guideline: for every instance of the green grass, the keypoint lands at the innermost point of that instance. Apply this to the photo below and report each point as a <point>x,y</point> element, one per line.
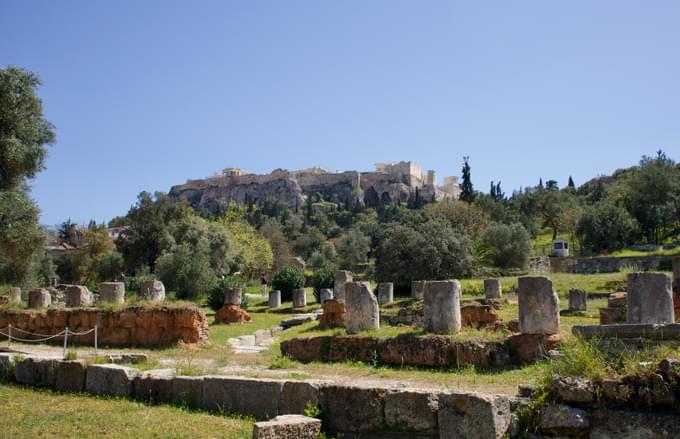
<point>32,413</point>
<point>626,252</point>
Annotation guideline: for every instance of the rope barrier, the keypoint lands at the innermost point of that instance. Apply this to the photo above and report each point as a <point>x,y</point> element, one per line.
<point>65,333</point>
<point>25,340</point>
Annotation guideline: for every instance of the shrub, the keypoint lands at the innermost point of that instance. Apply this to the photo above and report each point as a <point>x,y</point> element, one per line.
<point>286,280</point>
<point>507,246</point>
<point>324,277</point>
<point>216,294</point>
<point>606,227</point>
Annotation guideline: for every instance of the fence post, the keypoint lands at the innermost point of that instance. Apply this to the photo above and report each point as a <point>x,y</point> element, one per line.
<point>95,340</point>
<point>65,340</point>
<point>9,336</point>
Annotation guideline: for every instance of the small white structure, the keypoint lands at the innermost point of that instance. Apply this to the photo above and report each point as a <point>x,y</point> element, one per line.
<point>560,248</point>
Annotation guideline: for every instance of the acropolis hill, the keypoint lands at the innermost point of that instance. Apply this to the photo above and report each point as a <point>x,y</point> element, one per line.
<point>390,183</point>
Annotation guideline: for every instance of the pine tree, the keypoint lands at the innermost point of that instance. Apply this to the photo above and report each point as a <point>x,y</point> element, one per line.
<point>540,183</point>
<point>492,191</point>
<point>500,196</point>
<point>571,183</point>
<point>467,191</point>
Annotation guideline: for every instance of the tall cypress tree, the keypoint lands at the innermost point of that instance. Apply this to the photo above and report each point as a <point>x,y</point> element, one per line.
<point>467,191</point>
<point>571,183</point>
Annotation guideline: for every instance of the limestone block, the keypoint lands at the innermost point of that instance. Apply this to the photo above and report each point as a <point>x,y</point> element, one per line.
<point>412,410</point>
<point>39,298</point>
<point>154,386</point>
<point>563,420</point>
<point>187,390</point>
<point>274,299</point>
<point>441,310</point>
<point>15,295</point>
<point>6,367</point>
<point>288,427</point>
<point>71,376</point>
<point>363,312</point>
<point>110,379</point>
<point>251,397</point>
<point>36,371</point>
<point>299,298</point>
<point>153,290</point>
<point>385,293</point>
<point>418,289</point>
<point>468,415</point>
<point>492,289</point>
<point>297,395</point>
<point>649,298</point>
<point>354,409</point>
<point>342,277</point>
<point>325,294</point>
<point>77,295</point>
<point>232,296</point>
<point>577,300</point>
<point>334,314</point>
<point>112,292</point>
<point>539,306</point>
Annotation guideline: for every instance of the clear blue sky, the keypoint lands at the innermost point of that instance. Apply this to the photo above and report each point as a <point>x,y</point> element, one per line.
<point>145,94</point>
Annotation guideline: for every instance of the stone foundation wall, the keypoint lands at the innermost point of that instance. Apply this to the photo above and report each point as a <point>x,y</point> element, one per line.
<point>133,326</point>
<point>607,264</point>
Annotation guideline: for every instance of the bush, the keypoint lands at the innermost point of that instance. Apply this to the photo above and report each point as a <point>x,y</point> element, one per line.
<point>606,227</point>
<point>216,294</point>
<point>507,246</point>
<point>286,280</point>
<point>324,277</point>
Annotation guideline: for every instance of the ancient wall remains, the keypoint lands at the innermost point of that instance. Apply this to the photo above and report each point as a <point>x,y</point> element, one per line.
<point>608,264</point>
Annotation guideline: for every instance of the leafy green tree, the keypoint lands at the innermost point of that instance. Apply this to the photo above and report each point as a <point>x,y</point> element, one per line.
<point>467,191</point>
<point>112,267</point>
<point>324,277</point>
<point>557,210</point>
<point>286,280</point>
<point>605,226</point>
<point>465,218</point>
<point>353,249</point>
<point>253,253</point>
<point>281,251</point>
<point>507,245</point>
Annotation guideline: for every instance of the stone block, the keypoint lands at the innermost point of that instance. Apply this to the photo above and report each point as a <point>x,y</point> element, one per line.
<point>299,298</point>
<point>297,395</point>
<point>334,314</point>
<point>476,315</point>
<point>342,277</point>
<point>417,289</point>
<point>15,295</point>
<point>441,311</point>
<point>110,379</point>
<point>563,421</point>
<point>230,313</point>
<point>112,292</point>
<point>650,298</point>
<point>232,296</point>
<point>288,427</point>
<point>573,390</point>
<point>77,296</point>
<point>352,409</point>
<point>529,348</point>
<point>6,367</point>
<point>468,415</point>
<point>492,289</point>
<point>154,386</point>
<point>39,298</point>
<point>187,390</point>
<point>539,306</point>
<point>610,316</point>
<point>274,299</point>
<point>325,294</point>
<point>153,290</point>
<point>578,300</point>
<point>412,411</point>
<point>617,300</point>
<point>385,293</point>
<point>251,397</point>
<point>36,371</point>
<point>363,312</point>
<point>71,376</point>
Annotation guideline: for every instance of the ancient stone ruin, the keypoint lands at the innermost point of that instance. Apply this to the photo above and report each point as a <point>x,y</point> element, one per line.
<point>153,290</point>
<point>441,311</point>
<point>77,295</point>
<point>112,292</point>
<point>417,289</point>
<point>299,298</point>
<point>274,299</point>
<point>334,314</point>
<point>385,293</point>
<point>492,289</point>
<point>650,298</point>
<point>615,312</point>
<point>539,306</point>
<point>363,312</point>
<point>231,311</point>
<point>325,294</point>
<point>39,298</point>
<point>577,300</point>
<point>341,279</point>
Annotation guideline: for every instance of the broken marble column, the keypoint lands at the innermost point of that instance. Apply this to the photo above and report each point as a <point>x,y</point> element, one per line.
<point>299,298</point>
<point>649,298</point>
<point>577,300</point>
<point>77,295</point>
<point>153,290</point>
<point>385,293</point>
<point>363,312</point>
<point>39,298</point>
<point>341,279</point>
<point>15,295</point>
<point>112,292</point>
<point>274,299</point>
<point>539,306</point>
<point>325,294</point>
<point>232,296</point>
<point>418,289</point>
<point>492,288</point>
<point>441,310</point>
